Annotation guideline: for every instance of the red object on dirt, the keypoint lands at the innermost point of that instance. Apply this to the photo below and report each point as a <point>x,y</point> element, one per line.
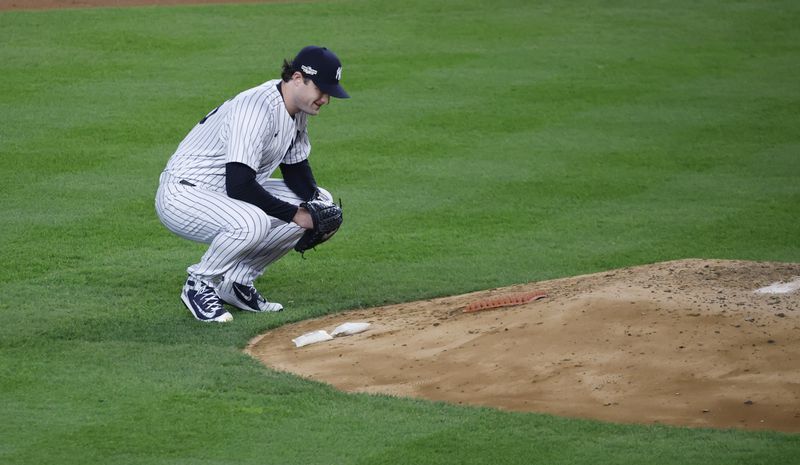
<point>504,301</point>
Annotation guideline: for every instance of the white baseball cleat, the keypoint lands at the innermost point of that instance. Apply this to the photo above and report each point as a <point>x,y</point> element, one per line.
<point>246,297</point>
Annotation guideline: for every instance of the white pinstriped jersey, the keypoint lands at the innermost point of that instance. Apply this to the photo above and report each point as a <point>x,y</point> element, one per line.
<point>253,128</point>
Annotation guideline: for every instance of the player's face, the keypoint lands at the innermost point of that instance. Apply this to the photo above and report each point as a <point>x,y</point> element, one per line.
<point>310,98</point>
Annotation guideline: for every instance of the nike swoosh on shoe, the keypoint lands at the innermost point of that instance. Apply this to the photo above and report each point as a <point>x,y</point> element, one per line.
<point>246,298</point>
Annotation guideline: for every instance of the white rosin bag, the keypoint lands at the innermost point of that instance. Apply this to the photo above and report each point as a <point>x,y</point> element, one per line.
<point>347,329</point>
<point>312,337</point>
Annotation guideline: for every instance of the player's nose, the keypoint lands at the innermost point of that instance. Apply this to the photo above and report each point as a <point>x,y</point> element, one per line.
<point>324,99</point>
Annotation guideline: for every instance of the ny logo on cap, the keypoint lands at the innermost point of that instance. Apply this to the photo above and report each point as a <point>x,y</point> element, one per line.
<point>339,74</point>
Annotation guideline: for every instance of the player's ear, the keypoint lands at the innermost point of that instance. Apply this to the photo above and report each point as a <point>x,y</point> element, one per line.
<point>297,77</point>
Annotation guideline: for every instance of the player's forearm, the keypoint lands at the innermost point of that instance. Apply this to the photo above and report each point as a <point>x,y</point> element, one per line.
<point>241,184</point>
<point>299,178</point>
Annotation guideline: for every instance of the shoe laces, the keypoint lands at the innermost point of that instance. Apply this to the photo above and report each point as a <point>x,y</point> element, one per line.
<point>208,296</point>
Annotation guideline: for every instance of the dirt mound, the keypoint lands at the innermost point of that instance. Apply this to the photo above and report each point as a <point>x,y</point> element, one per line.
<point>683,343</point>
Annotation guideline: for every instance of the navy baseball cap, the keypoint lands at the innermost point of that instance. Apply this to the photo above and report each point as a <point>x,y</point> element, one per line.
<point>323,67</point>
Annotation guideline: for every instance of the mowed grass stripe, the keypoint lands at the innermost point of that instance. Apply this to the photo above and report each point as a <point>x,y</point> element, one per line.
<point>484,146</point>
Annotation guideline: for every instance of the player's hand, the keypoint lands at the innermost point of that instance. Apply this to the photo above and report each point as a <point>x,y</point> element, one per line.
<point>303,219</point>
<point>326,217</point>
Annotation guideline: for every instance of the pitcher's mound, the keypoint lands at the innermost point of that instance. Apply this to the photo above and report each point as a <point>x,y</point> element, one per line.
<point>686,342</point>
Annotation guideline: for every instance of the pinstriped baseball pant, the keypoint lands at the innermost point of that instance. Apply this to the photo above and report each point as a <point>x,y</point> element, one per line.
<point>243,239</point>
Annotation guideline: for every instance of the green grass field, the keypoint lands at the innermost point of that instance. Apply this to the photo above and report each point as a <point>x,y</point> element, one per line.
<point>483,146</point>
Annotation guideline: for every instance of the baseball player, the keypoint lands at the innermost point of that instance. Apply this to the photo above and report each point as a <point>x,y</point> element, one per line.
<point>216,187</point>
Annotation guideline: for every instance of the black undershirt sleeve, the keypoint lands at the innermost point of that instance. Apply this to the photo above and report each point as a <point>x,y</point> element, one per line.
<point>300,179</point>
<point>241,184</point>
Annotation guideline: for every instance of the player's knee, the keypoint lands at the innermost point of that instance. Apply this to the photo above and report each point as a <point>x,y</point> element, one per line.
<point>255,232</point>
<point>324,194</point>
<point>262,229</point>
